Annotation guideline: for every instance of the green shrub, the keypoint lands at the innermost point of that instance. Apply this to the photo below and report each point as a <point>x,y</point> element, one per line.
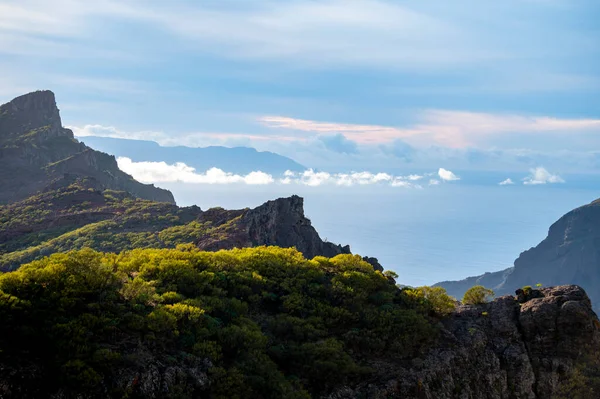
<point>433,299</point>
<point>477,295</point>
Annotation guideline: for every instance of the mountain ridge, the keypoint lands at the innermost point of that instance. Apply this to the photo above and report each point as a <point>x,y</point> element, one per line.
<point>239,160</point>
<point>74,213</point>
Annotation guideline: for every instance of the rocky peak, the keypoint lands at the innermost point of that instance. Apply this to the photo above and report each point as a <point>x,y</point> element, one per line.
<point>35,151</point>
<point>26,113</point>
<point>282,222</point>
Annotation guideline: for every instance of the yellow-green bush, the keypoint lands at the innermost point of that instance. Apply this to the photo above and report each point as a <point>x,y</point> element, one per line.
<point>270,322</point>
<point>477,295</point>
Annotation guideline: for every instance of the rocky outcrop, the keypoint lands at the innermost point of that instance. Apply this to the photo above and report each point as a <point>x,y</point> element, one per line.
<point>35,150</point>
<point>503,349</point>
<point>570,254</point>
<point>280,222</point>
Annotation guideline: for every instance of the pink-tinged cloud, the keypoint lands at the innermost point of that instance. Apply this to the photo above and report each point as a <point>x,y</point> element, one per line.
<point>455,129</point>
<point>365,134</point>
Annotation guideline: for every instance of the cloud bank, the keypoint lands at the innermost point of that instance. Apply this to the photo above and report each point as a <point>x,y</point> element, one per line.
<point>161,172</point>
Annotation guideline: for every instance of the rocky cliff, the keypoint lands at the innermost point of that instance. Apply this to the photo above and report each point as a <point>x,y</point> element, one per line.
<point>35,150</point>
<point>514,347</point>
<point>570,254</point>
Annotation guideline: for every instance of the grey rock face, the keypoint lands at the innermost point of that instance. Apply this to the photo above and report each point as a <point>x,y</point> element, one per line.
<point>282,222</point>
<point>499,350</point>
<point>35,150</point>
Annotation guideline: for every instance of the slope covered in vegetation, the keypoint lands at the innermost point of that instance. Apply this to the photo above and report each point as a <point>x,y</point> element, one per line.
<point>260,322</point>
<point>77,213</point>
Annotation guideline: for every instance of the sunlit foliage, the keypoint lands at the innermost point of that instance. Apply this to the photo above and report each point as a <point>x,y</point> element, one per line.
<point>260,322</point>
<point>477,295</point>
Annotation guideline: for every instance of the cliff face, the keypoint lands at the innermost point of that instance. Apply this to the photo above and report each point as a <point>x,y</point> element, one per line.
<point>504,349</point>
<point>36,150</point>
<point>569,254</point>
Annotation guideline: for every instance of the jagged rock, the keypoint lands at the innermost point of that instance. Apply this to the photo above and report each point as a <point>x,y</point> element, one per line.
<point>280,222</point>
<point>35,151</point>
<point>498,350</point>
<point>570,254</point>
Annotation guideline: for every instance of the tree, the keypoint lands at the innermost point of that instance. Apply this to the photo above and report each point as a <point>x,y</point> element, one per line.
<point>477,295</point>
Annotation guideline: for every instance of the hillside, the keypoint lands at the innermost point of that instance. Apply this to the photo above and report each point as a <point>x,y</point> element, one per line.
<point>268,323</point>
<point>36,151</point>
<point>570,254</point>
<point>77,213</point>
<point>239,160</point>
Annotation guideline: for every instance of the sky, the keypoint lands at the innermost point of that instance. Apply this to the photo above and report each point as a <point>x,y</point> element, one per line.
<point>341,86</point>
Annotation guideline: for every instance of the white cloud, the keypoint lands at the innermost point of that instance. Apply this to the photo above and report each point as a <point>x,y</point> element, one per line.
<point>540,175</point>
<point>506,182</point>
<point>434,182</point>
<point>161,172</point>
<point>447,175</point>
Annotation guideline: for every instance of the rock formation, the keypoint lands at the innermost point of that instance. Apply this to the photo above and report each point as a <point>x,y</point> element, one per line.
<point>35,150</point>
<point>570,254</point>
<point>503,349</point>
<point>280,222</point>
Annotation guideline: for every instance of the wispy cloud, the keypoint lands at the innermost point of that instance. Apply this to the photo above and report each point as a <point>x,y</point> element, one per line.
<point>540,175</point>
<point>364,134</point>
<point>506,182</point>
<point>453,129</point>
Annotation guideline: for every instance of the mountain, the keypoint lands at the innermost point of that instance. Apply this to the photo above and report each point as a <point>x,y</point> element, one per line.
<point>570,254</point>
<point>74,213</point>
<point>36,151</point>
<point>239,160</point>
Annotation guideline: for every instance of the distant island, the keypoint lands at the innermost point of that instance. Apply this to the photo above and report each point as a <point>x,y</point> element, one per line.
<point>238,160</point>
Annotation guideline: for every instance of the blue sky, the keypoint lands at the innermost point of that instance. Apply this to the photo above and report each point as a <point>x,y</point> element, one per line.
<point>338,85</point>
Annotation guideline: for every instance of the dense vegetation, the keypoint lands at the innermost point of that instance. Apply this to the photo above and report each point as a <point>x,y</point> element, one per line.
<point>260,322</point>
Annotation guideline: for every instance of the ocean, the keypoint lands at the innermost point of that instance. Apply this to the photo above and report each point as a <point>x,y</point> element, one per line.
<point>445,232</point>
